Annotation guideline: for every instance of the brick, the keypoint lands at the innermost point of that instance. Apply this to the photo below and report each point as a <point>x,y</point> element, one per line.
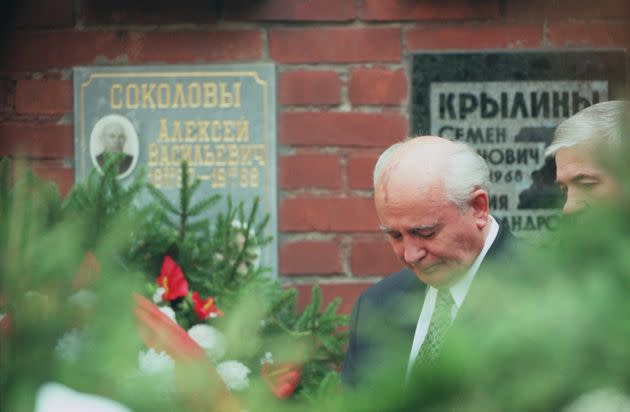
<point>43,96</point>
<point>307,87</point>
<point>291,10</point>
<point>522,35</point>
<point>360,169</point>
<point>328,215</point>
<point>37,140</point>
<point>377,87</point>
<point>42,13</point>
<point>373,257</point>
<point>310,171</point>
<point>39,51</point>
<point>309,258</point>
<point>589,34</point>
<point>341,129</point>
<point>348,292</point>
<point>567,9</point>
<point>384,10</point>
<point>339,45</point>
<point>62,176</point>
<point>147,12</point>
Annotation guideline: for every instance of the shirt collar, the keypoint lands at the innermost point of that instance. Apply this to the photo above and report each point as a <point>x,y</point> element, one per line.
<point>460,288</point>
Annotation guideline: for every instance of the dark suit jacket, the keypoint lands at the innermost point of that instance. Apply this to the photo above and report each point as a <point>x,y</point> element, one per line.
<point>124,162</point>
<point>385,316</point>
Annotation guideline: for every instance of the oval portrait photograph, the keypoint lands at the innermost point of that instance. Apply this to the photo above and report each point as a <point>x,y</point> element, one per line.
<point>114,134</point>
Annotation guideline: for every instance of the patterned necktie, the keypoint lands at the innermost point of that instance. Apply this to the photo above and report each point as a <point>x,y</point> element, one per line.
<point>440,322</point>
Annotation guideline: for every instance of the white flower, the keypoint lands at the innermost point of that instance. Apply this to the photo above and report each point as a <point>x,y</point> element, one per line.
<point>70,346</point>
<point>268,358</point>
<point>83,298</point>
<point>605,399</point>
<point>218,257</point>
<point>54,397</point>
<point>234,374</point>
<point>168,311</point>
<point>152,362</point>
<point>240,241</point>
<point>210,339</point>
<point>157,296</point>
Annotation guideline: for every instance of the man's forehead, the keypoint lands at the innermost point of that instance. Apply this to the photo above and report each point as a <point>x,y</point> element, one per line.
<point>574,161</point>
<point>113,128</point>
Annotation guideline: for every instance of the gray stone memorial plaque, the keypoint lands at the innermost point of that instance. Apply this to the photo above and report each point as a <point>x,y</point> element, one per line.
<point>507,106</point>
<point>221,119</point>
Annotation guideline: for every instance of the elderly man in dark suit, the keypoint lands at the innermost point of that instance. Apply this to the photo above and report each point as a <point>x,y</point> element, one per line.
<point>113,139</point>
<point>432,200</point>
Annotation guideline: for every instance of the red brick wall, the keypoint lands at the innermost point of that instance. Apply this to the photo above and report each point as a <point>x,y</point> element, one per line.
<point>343,90</point>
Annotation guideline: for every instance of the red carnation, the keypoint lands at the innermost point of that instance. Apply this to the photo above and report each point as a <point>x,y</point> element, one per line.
<point>6,324</point>
<point>282,378</point>
<point>205,309</point>
<point>172,280</point>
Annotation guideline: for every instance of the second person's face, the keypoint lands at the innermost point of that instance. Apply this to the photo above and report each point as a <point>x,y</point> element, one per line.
<point>581,178</point>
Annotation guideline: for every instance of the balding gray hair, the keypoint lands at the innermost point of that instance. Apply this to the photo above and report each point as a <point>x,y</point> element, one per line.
<point>464,172</point>
<point>600,123</point>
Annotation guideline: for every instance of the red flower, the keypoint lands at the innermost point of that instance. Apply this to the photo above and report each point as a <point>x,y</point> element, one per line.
<point>172,280</point>
<point>282,378</point>
<point>88,272</point>
<point>5,324</point>
<point>205,309</point>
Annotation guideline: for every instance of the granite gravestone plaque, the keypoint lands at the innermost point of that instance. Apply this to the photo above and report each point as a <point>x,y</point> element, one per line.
<point>507,106</point>
<point>220,119</point>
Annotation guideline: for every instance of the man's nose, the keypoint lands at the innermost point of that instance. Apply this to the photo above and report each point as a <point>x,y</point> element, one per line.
<point>573,204</point>
<point>413,252</point>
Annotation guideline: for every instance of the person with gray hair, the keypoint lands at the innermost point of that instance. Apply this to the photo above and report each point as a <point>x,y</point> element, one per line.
<point>113,140</point>
<point>431,197</point>
<point>577,143</point>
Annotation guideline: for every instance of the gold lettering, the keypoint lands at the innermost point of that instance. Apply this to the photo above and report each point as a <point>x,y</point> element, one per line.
<point>164,160</point>
<point>113,103</point>
<point>147,95</point>
<point>203,130</point>
<point>177,131</point>
<point>228,128</point>
<point>157,178</point>
<point>232,154</point>
<point>153,154</point>
<point>246,154</point>
<point>237,94</point>
<point>215,131</point>
<point>209,159</point>
<point>220,151</point>
<point>189,127</point>
<point>227,98</point>
<point>164,96</point>
<point>209,95</point>
<point>253,177</point>
<point>186,150</point>
<point>242,134</point>
<point>194,95</point>
<point>132,103</point>
<point>198,156</point>
<point>179,96</point>
<point>163,136</point>
<point>175,152</point>
<point>259,154</point>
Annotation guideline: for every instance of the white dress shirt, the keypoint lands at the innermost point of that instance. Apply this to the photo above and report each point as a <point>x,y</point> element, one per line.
<point>458,291</point>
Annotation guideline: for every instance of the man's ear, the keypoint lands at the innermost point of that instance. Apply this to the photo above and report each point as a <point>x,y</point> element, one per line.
<point>480,205</point>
